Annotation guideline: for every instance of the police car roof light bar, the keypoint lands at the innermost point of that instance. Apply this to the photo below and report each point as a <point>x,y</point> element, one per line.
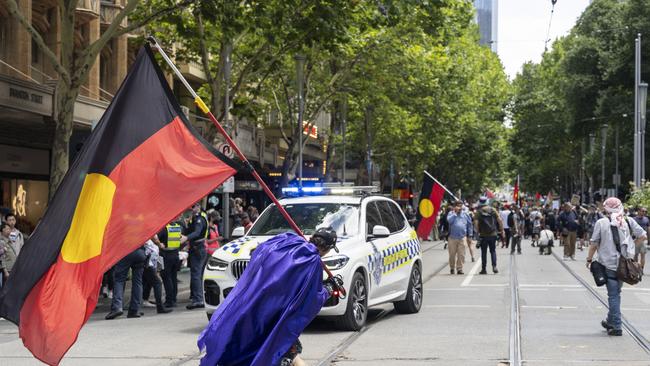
<point>204,108</point>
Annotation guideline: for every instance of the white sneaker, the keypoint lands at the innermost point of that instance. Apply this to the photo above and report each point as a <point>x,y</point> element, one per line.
<point>148,304</point>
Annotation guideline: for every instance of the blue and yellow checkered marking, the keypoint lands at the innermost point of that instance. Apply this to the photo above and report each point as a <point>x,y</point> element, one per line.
<point>393,257</point>
<point>235,246</point>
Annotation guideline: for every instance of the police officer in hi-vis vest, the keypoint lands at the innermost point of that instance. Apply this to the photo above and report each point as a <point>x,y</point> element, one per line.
<point>196,236</point>
<point>169,241</point>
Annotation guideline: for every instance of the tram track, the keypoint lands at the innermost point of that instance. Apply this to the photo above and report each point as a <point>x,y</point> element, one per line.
<point>337,350</point>
<point>515,317</point>
<point>629,328</point>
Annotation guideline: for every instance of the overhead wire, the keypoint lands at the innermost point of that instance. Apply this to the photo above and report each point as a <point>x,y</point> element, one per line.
<point>550,21</point>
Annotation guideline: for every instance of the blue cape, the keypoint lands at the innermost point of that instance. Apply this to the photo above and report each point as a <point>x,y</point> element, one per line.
<point>279,294</point>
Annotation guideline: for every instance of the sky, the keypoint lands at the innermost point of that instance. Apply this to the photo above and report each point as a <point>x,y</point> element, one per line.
<point>523,25</point>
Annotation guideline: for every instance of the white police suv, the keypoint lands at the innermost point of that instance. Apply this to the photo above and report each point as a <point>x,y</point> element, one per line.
<point>379,255</point>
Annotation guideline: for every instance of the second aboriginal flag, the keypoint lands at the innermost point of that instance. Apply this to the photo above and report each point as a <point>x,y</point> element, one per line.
<point>428,206</point>
<point>141,166</point>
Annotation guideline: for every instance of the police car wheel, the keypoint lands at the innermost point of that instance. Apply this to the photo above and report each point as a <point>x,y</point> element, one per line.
<point>413,301</point>
<point>356,311</point>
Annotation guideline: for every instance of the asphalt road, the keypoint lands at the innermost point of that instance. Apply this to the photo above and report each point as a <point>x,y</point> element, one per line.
<point>540,313</point>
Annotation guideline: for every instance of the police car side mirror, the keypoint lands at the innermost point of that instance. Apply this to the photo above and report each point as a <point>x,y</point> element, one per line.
<point>238,232</point>
<point>379,231</point>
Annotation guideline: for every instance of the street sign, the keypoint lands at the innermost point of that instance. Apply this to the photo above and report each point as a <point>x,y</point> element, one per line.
<point>227,187</point>
<point>226,149</point>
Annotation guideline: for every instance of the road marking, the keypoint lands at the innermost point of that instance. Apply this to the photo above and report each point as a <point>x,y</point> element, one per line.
<point>458,306</point>
<point>549,285</point>
<point>451,289</point>
<point>489,285</point>
<point>556,307</point>
<point>471,273</point>
<point>533,289</point>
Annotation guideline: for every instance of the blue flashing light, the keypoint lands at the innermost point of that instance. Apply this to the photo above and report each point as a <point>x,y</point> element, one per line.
<point>290,190</point>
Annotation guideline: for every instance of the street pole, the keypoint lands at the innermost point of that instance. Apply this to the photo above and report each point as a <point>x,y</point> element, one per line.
<point>617,179</point>
<point>582,171</point>
<point>344,116</point>
<point>637,120</point>
<point>226,106</point>
<point>590,176</point>
<point>643,99</point>
<point>368,144</point>
<point>603,135</point>
<point>300,65</point>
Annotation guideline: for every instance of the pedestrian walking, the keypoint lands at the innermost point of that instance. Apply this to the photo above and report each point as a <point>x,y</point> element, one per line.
<point>505,213</point>
<point>460,230</point>
<point>514,219</point>
<point>536,223</point>
<point>488,225</point>
<point>134,261</point>
<point>641,248</point>
<point>444,227</point>
<point>612,237</point>
<point>569,223</point>
<point>196,237</point>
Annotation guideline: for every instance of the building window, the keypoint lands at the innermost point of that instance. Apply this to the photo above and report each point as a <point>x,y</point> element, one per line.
<point>36,52</point>
<point>3,37</point>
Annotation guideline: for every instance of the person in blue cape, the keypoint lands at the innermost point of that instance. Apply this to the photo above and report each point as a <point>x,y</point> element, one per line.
<point>279,294</point>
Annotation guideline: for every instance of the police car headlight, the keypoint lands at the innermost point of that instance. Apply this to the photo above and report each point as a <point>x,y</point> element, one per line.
<point>336,262</point>
<point>215,264</point>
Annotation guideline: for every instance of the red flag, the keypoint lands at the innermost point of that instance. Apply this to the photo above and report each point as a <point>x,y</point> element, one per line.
<point>141,166</point>
<point>538,196</point>
<point>428,207</point>
<point>515,195</point>
<point>488,193</point>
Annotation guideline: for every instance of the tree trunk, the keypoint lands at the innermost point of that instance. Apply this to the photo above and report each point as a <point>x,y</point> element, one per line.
<point>65,100</point>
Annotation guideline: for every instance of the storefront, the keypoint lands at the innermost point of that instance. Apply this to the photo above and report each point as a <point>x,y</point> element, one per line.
<point>24,174</point>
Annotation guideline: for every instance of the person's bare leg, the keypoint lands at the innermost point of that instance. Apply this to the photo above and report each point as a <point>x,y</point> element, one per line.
<point>299,362</point>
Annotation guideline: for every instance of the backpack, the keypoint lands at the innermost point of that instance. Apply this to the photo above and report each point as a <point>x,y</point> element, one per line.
<point>487,222</point>
<point>629,270</point>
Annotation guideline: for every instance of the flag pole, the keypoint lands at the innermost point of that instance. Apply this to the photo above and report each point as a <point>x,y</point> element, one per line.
<point>442,185</point>
<point>204,108</point>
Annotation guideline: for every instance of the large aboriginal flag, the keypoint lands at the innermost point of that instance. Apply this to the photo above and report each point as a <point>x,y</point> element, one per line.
<point>141,166</point>
<point>428,207</point>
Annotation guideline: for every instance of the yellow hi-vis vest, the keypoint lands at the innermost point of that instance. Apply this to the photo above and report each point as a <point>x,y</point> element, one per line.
<point>207,225</point>
<point>174,236</point>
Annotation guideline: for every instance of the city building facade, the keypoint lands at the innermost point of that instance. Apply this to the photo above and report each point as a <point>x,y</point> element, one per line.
<point>487,16</point>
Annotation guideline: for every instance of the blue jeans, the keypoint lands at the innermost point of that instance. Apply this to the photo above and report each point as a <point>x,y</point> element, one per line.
<point>134,261</point>
<point>488,242</point>
<point>614,299</point>
<point>197,257</point>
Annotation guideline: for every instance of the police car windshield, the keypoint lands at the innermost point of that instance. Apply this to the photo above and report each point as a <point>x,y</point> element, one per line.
<point>343,218</point>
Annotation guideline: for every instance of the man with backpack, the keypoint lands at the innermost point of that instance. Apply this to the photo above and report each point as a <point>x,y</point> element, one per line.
<point>612,239</point>
<point>488,225</point>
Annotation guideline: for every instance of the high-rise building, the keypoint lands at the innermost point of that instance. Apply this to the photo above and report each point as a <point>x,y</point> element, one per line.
<point>487,20</point>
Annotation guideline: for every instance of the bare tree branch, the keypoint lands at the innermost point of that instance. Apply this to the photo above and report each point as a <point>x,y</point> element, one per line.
<point>13,9</point>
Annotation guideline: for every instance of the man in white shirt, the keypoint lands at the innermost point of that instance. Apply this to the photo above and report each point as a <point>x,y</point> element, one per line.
<point>506,228</point>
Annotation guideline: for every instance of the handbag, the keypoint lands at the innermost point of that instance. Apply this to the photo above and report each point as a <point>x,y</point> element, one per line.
<point>628,270</point>
<point>599,271</point>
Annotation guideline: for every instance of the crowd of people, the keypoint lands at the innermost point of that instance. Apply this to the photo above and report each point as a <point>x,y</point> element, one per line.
<point>609,229</point>
<point>187,241</point>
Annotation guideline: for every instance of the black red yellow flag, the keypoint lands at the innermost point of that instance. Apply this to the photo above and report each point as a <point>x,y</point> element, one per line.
<point>428,207</point>
<point>141,166</point>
